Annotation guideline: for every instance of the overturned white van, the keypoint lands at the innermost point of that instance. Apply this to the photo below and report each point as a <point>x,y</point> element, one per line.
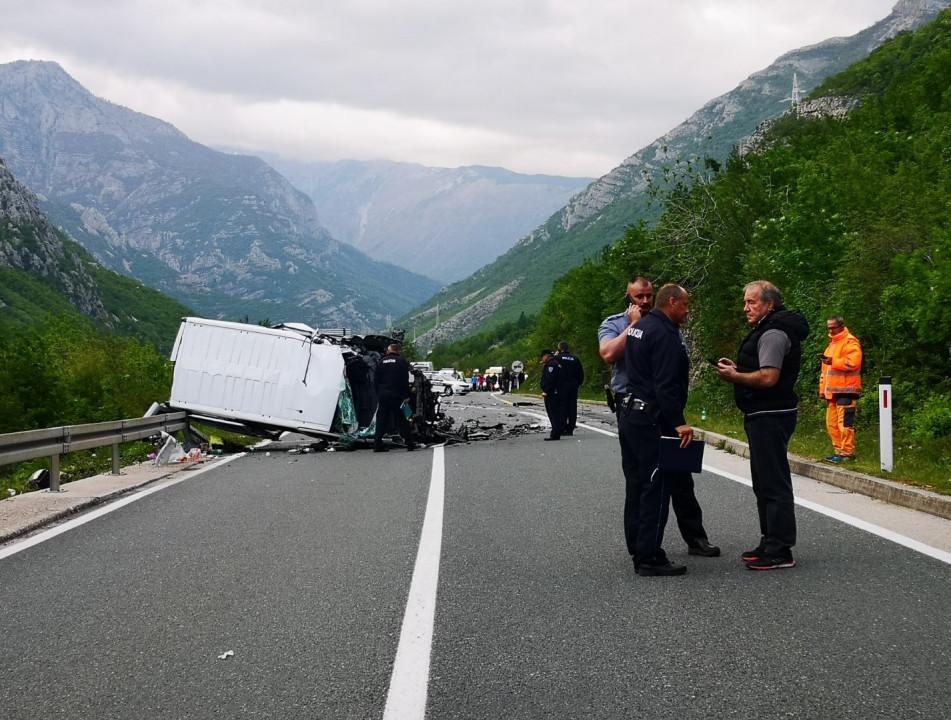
<point>289,377</point>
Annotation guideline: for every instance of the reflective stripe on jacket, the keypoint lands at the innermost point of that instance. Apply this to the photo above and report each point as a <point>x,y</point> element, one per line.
<point>844,375</point>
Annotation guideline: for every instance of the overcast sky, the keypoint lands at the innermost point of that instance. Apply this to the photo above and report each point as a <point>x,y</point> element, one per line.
<point>567,87</point>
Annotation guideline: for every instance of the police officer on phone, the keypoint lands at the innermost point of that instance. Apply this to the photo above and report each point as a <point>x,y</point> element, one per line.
<point>612,337</point>
<point>657,368</point>
<point>391,381</point>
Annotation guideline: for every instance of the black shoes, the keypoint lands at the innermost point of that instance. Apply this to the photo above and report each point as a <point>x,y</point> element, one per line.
<point>551,438</point>
<point>703,548</point>
<point>568,432</point>
<point>754,554</point>
<point>381,449</point>
<point>662,569</point>
<point>772,562</point>
<point>410,448</point>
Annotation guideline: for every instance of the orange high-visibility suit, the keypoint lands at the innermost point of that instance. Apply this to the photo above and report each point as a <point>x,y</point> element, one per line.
<point>840,383</point>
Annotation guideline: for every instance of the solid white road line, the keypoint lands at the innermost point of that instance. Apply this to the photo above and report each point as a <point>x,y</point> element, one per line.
<point>885,533</point>
<point>586,427</point>
<point>409,682</point>
<point>105,510</point>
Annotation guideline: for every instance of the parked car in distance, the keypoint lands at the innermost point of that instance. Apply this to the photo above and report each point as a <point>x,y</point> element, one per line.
<point>450,380</point>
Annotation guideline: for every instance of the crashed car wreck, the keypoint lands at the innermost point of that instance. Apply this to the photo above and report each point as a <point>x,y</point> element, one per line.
<point>265,381</point>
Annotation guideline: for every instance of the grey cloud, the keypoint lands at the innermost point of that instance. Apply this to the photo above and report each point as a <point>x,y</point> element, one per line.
<point>612,73</point>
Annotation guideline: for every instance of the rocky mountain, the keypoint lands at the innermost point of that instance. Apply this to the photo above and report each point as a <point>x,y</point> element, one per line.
<point>42,271</point>
<point>224,233</point>
<point>520,279</point>
<point>442,222</point>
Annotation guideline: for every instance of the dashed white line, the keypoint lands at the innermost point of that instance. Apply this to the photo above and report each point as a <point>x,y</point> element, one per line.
<point>409,683</point>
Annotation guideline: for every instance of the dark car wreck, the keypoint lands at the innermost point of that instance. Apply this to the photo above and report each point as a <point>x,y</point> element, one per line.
<point>266,381</point>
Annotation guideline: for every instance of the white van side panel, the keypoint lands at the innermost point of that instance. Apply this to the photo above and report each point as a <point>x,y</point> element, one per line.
<point>242,372</point>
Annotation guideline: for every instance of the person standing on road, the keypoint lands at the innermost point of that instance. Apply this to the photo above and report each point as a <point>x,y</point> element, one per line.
<point>392,389</point>
<point>572,378</point>
<point>657,368</point>
<point>612,336</point>
<point>551,383</point>
<point>763,377</point>
<point>840,384</point>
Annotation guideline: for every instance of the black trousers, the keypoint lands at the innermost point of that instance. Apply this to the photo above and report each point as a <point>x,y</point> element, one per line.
<point>569,401</point>
<point>387,413</point>
<point>647,503</point>
<point>772,483</point>
<point>555,409</point>
<point>682,497</point>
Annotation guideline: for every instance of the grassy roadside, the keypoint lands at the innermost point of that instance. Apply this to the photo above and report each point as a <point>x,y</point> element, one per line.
<point>925,465</point>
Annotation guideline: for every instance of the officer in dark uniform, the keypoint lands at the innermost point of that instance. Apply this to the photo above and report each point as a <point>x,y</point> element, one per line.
<point>572,376</point>
<point>392,388</point>
<point>657,366</point>
<point>612,336</point>
<point>551,383</point>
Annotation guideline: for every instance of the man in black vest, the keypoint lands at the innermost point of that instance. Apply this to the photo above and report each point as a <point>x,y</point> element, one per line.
<point>657,368</point>
<point>392,388</point>
<point>763,377</point>
<point>572,378</point>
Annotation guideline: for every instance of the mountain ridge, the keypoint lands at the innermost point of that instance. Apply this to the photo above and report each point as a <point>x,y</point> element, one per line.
<point>224,233</point>
<point>597,216</point>
<point>441,222</point>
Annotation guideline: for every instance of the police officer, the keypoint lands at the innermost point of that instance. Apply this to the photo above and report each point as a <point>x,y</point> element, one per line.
<point>392,388</point>
<point>551,383</point>
<point>657,367</point>
<point>612,336</point>
<point>572,376</point>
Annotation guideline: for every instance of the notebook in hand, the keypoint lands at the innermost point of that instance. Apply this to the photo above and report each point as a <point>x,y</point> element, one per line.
<point>677,459</point>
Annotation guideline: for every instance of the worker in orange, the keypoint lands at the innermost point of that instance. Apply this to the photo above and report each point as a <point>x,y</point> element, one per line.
<point>840,383</point>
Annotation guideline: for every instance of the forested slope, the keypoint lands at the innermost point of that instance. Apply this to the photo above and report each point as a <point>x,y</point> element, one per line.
<point>847,216</point>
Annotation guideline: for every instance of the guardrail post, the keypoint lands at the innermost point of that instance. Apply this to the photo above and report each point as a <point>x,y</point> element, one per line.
<point>116,465</point>
<point>886,401</point>
<point>54,473</point>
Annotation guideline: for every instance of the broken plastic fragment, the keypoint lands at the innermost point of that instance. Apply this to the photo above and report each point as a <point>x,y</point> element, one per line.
<point>226,654</point>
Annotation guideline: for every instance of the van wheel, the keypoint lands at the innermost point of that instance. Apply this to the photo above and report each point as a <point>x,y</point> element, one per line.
<point>446,390</point>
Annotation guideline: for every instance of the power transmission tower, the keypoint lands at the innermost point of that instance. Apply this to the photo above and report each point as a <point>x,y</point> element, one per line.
<point>796,96</point>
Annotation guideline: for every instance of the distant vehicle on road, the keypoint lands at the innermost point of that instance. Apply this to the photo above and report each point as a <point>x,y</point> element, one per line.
<point>450,380</point>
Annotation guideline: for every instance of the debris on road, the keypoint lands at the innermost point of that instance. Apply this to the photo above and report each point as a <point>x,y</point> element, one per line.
<point>226,654</point>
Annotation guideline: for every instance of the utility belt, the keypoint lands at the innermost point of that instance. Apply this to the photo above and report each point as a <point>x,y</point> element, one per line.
<point>629,404</point>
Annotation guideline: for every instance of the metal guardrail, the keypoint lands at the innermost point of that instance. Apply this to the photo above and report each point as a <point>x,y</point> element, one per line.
<point>53,442</point>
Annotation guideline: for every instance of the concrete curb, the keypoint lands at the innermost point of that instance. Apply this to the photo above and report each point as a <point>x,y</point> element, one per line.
<point>878,488</point>
<point>888,491</point>
<point>11,528</point>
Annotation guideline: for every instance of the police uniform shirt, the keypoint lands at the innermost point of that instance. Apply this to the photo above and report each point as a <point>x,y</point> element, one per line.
<point>657,367</point>
<point>572,371</point>
<point>392,375</point>
<point>551,376</point>
<point>612,327</point>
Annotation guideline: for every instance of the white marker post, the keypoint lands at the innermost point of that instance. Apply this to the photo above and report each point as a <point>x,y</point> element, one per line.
<point>885,403</point>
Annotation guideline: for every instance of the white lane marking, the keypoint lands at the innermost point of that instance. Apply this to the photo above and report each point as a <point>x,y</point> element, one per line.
<point>885,533</point>
<point>409,683</point>
<point>29,542</point>
<point>586,427</point>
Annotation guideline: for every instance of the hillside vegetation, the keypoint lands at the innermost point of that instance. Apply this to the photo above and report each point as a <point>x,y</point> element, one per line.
<point>849,217</point>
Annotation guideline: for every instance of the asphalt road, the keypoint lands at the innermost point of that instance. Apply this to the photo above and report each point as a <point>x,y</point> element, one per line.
<point>302,564</point>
